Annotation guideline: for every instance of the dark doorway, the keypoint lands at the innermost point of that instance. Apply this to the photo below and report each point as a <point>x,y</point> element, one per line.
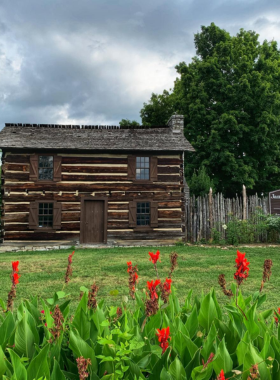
<point>94,221</point>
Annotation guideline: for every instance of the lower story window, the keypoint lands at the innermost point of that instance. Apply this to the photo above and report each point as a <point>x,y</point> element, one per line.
<point>45,215</point>
<point>143,214</point>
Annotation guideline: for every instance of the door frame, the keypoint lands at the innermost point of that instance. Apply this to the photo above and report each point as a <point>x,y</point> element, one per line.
<point>82,219</point>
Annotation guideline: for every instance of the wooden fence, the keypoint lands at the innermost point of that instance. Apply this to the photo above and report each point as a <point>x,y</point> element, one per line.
<point>208,212</point>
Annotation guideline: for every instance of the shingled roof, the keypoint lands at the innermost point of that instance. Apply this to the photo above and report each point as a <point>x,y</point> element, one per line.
<point>89,137</point>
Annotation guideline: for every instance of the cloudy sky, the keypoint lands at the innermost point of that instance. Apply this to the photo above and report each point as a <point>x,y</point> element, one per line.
<point>98,61</point>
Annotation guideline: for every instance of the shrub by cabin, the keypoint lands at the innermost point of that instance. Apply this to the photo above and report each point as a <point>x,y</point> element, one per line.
<point>93,184</point>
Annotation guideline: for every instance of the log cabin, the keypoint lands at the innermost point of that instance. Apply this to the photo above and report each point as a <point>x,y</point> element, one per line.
<point>93,184</point>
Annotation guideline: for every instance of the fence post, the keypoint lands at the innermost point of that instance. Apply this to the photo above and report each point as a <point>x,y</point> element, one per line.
<point>211,210</point>
<point>244,203</point>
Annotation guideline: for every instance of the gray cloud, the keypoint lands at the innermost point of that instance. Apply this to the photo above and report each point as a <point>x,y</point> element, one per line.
<point>97,61</point>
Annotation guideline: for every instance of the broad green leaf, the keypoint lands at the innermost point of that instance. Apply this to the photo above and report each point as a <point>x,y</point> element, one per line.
<point>222,359</point>
<point>82,324</point>
<point>39,365</point>
<point>19,369</point>
<point>81,348</point>
<point>164,375</point>
<point>207,312</point>
<point>251,358</point>
<point>250,322</point>
<point>6,329</point>
<point>192,322</point>
<point>24,339</point>
<point>3,366</point>
<point>177,370</point>
<point>199,373</point>
<point>210,343</point>
<point>153,324</point>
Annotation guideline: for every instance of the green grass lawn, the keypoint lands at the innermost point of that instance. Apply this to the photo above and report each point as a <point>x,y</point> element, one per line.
<point>42,273</point>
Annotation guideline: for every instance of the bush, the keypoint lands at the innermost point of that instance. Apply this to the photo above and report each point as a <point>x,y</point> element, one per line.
<point>196,340</point>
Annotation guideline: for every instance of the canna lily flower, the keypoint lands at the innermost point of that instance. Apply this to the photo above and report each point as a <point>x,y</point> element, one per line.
<point>167,285</point>
<point>163,336</point>
<point>154,257</point>
<point>275,317</point>
<point>15,278</point>
<point>42,311</point>
<point>242,266</point>
<point>221,376</point>
<point>15,266</point>
<point>152,288</point>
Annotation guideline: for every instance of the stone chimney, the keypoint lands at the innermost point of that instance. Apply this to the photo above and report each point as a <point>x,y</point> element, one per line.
<point>176,123</point>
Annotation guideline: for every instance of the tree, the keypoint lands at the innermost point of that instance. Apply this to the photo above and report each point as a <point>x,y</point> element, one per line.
<point>200,183</point>
<point>128,123</point>
<point>229,95</point>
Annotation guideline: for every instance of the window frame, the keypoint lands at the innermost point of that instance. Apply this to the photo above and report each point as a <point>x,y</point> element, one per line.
<point>45,180</point>
<point>131,168</point>
<point>133,214</point>
<point>144,225</point>
<point>34,168</point>
<point>34,216</point>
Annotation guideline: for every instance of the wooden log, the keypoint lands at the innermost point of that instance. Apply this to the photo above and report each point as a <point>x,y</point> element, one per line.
<point>94,169</point>
<point>15,217</point>
<point>169,161</point>
<point>168,169</point>
<point>70,216</point>
<point>94,160</point>
<point>16,167</point>
<point>89,187</point>
<point>117,215</point>
<point>44,236</point>
<point>17,158</point>
<point>16,177</point>
<point>169,214</point>
<point>20,207</point>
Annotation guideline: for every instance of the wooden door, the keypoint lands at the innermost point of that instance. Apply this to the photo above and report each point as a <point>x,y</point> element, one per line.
<point>93,221</point>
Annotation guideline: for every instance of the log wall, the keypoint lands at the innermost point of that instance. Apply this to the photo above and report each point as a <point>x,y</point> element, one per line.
<point>92,174</point>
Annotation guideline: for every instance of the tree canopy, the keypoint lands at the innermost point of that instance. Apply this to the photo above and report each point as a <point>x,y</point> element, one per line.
<point>229,95</point>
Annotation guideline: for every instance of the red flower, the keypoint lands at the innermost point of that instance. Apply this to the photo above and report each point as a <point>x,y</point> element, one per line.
<point>70,257</point>
<point>221,376</point>
<point>154,257</point>
<point>42,311</point>
<point>152,288</point>
<point>15,278</point>
<point>15,266</point>
<point>163,336</point>
<point>167,285</point>
<point>275,317</point>
<point>242,266</point>
<point>129,266</point>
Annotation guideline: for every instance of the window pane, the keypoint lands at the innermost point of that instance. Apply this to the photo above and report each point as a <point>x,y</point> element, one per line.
<point>45,167</point>
<point>45,215</point>
<point>143,214</point>
<point>143,168</point>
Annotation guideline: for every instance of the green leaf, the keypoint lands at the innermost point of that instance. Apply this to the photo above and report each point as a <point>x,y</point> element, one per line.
<point>153,324</point>
<point>177,370</point>
<point>19,369</point>
<point>3,366</point>
<point>24,339</point>
<point>82,324</point>
<point>7,329</point>
<point>199,373</point>
<point>210,343</point>
<point>207,312</point>
<point>39,365</point>
<point>251,358</point>
<point>250,322</point>
<point>164,375</point>
<point>222,359</point>
<point>192,322</point>
<point>81,348</point>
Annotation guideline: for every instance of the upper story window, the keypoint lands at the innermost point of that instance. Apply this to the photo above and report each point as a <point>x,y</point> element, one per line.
<point>143,168</point>
<point>45,171</point>
<point>45,167</point>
